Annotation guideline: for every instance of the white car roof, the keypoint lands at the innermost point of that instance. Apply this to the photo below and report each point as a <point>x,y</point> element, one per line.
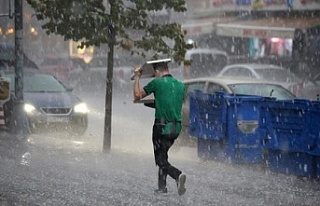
<point>254,69</point>
<point>230,80</point>
<point>256,66</point>
<point>226,83</point>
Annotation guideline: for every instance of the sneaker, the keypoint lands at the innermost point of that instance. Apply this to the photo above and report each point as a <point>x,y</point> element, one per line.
<point>161,191</point>
<point>180,184</point>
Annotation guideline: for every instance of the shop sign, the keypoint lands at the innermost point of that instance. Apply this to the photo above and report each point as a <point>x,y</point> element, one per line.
<point>252,32</point>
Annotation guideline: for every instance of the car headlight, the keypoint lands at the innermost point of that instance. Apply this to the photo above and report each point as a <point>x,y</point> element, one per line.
<point>81,108</point>
<point>29,108</point>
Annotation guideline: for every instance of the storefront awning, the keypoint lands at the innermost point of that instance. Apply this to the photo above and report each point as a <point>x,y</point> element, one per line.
<point>266,27</point>
<point>204,25</point>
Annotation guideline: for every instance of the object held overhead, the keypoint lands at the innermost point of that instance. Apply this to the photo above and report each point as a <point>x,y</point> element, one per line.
<point>147,68</point>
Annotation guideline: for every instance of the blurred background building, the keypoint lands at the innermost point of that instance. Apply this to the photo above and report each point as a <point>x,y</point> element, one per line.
<point>285,32</point>
<point>248,30</point>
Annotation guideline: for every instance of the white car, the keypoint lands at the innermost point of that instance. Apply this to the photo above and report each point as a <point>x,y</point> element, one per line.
<point>266,72</point>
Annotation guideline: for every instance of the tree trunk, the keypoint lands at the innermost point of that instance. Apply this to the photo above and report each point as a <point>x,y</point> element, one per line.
<point>108,98</point>
<point>108,103</point>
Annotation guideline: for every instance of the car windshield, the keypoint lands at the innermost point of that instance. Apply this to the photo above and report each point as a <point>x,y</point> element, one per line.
<point>278,75</point>
<point>35,82</point>
<point>266,90</point>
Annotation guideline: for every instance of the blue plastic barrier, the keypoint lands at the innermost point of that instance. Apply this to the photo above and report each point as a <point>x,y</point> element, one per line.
<point>207,117</point>
<point>231,119</point>
<point>291,163</point>
<point>314,127</point>
<point>243,128</point>
<point>317,166</point>
<point>288,125</point>
<point>292,128</point>
<point>244,143</point>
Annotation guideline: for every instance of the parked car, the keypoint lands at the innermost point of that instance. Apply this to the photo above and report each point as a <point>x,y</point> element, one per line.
<point>231,86</point>
<point>48,104</point>
<point>268,72</point>
<point>204,62</point>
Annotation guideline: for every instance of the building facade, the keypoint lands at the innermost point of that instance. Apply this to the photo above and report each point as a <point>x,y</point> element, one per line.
<point>285,32</point>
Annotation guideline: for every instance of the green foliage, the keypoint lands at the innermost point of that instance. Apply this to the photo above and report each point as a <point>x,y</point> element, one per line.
<point>117,22</point>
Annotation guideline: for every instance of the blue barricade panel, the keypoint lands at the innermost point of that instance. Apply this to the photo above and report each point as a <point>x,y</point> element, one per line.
<point>244,143</point>
<point>239,128</point>
<point>291,163</point>
<point>207,116</point>
<point>317,167</point>
<point>314,127</point>
<point>288,125</point>
<point>235,119</point>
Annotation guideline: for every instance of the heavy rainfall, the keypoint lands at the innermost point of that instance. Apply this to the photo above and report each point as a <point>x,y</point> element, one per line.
<point>250,117</point>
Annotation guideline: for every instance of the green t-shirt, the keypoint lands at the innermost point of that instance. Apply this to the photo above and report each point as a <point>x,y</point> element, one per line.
<point>169,94</point>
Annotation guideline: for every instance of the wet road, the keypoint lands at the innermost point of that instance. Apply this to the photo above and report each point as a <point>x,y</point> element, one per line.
<point>66,170</point>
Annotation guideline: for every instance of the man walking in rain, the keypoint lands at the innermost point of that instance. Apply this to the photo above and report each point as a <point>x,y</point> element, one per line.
<point>169,95</point>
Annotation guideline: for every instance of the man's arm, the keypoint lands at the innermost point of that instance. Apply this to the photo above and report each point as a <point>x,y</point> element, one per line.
<point>137,92</point>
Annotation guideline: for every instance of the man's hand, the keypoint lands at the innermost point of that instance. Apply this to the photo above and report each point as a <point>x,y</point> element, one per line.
<point>138,72</point>
<point>137,93</point>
